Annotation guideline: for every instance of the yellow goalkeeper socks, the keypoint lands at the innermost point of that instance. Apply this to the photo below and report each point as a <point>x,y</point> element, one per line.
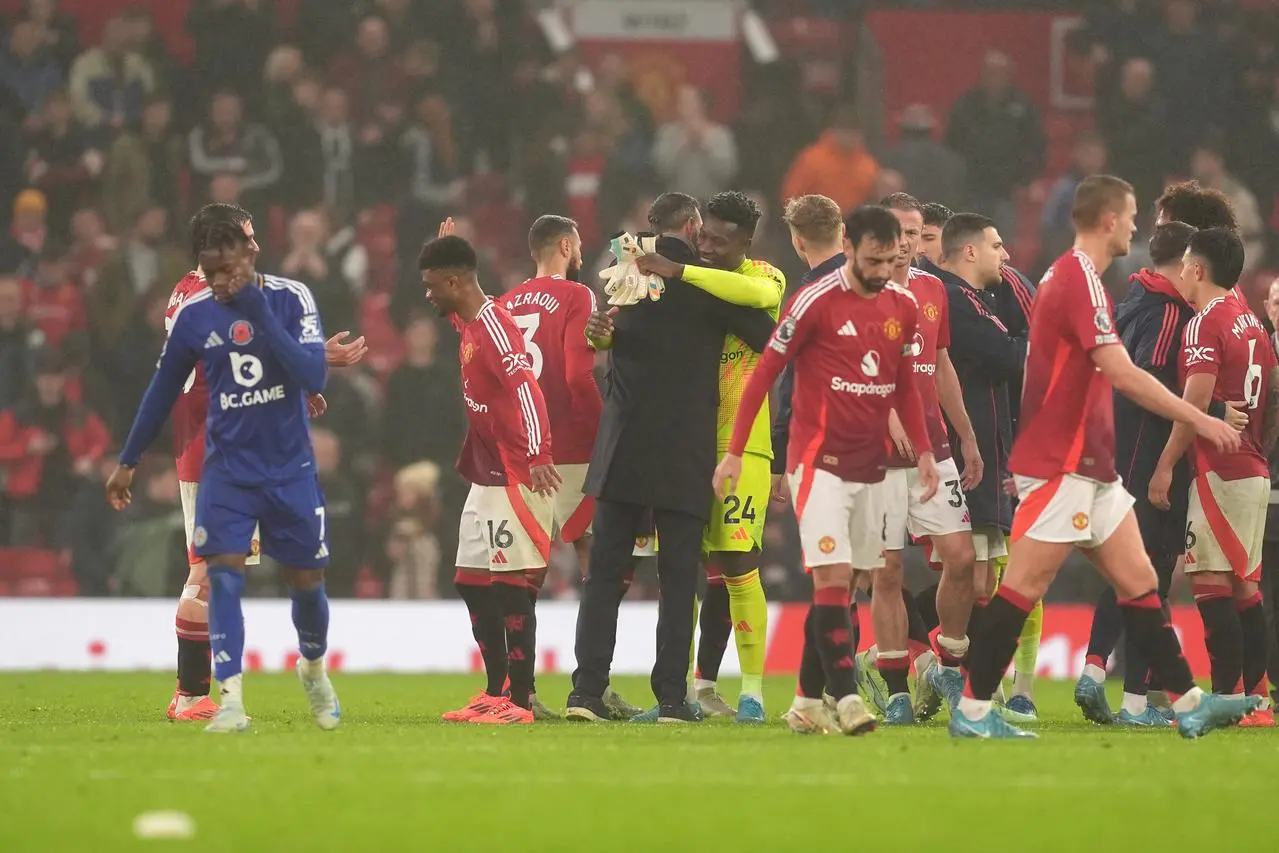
<point>749,611</point>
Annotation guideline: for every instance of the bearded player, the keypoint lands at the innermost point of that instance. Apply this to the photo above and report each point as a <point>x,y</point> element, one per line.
<point>734,537</point>
<point>189,417</point>
<point>1226,355</point>
<point>1063,462</point>
<point>850,337</point>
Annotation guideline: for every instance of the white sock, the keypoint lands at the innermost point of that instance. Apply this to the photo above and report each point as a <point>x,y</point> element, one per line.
<point>957,648</point>
<point>1095,672</point>
<point>312,668</point>
<point>1134,704</point>
<point>231,690</point>
<point>700,684</point>
<point>974,709</point>
<point>1188,701</point>
<point>925,660</point>
<point>872,654</point>
<point>1024,684</point>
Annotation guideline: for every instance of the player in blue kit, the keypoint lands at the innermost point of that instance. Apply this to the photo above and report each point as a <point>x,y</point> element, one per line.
<point>262,349</point>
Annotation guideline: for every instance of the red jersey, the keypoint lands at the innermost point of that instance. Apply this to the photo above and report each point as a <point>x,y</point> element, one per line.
<point>1067,421</point>
<point>1226,340</point>
<point>190,412</point>
<point>932,334</point>
<point>552,313</point>
<point>507,432</point>
<point>853,364</point>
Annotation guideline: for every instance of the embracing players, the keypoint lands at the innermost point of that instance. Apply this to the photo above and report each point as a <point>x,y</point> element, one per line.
<point>1225,356</point>
<point>504,538</point>
<point>850,336</point>
<point>261,345</point>
<point>191,699</point>
<point>1063,462</point>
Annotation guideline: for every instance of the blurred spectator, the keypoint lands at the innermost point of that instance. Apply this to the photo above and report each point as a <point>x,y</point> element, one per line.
<point>334,185</point>
<point>92,531</point>
<point>483,47</point>
<point>333,272</point>
<point>370,73</point>
<point>420,65</point>
<point>150,45</point>
<point>422,391</point>
<point>996,128</point>
<point>62,162</point>
<point>27,233</point>
<point>412,549</point>
<point>836,165</point>
<point>90,245</point>
<point>232,38</point>
<point>52,302</point>
<point>432,165</point>
<point>58,31</point>
<point>343,515</point>
<point>224,189</point>
<point>1133,121</point>
<point>47,443</point>
<point>1208,167</point>
<point>109,83</point>
<point>772,126</point>
<point>403,21</point>
<point>148,551</point>
<point>144,263</point>
<point>694,154</point>
<point>1254,137</point>
<point>130,362</point>
<point>27,69</point>
<point>381,171</point>
<point>284,68</point>
<point>1190,67</point>
<point>932,171</point>
<point>17,342</point>
<point>1057,228</point>
<point>227,144</point>
<point>143,167</point>
<point>295,127</point>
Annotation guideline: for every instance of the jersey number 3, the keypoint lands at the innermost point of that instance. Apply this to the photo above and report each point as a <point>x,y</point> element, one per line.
<point>528,324</point>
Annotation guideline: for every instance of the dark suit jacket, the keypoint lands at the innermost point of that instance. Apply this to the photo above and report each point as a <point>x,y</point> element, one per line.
<point>656,439</point>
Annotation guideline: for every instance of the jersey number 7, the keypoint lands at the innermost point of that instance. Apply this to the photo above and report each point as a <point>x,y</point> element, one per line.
<point>528,324</point>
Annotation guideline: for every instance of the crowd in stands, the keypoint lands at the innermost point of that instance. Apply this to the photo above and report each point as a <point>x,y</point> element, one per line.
<point>352,132</point>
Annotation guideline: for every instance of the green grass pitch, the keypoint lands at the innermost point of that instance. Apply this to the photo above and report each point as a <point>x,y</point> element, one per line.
<point>81,755</point>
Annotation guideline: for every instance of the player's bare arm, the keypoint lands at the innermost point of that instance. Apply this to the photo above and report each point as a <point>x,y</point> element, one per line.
<point>1270,432</point>
<point>951,397</point>
<point>1149,393</point>
<point>1198,393</point>
<point>900,440</point>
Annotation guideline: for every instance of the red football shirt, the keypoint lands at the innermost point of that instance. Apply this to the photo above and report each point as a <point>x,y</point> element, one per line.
<point>191,410</point>
<point>1067,407</point>
<point>853,364</point>
<point>1226,340</point>
<point>552,313</point>
<point>932,334</point>
<point>508,432</point>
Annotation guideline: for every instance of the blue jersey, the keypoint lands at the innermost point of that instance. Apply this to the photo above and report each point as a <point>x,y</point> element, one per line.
<point>262,354</point>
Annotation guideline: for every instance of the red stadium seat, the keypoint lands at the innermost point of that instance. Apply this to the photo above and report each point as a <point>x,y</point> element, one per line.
<point>18,564</point>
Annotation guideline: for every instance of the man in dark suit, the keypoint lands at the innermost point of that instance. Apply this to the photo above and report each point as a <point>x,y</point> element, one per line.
<point>655,450</point>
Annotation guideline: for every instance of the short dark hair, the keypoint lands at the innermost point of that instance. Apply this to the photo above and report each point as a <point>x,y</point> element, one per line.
<point>547,230</point>
<point>1222,251</point>
<point>735,207</point>
<point>960,230</point>
<point>670,211</point>
<point>451,252</point>
<point>936,213</point>
<point>1196,206</point>
<point>222,236</point>
<point>210,215</point>
<point>1168,243</point>
<point>901,201</point>
<point>1096,196</point>
<point>873,221</point>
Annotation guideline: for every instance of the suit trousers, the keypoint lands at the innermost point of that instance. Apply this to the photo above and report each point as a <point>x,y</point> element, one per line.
<point>678,561</point>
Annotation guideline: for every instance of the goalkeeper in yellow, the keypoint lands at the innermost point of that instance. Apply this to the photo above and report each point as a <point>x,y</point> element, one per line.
<point>734,599</point>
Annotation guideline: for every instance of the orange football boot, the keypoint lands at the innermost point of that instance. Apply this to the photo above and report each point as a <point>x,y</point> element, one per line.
<point>505,713</point>
<point>203,708</point>
<point>479,704</point>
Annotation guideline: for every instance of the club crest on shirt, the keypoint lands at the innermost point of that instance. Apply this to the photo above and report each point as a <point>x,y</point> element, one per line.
<point>199,536</point>
<point>1102,321</point>
<point>931,312</point>
<point>468,352</point>
<point>255,548</point>
<point>826,544</point>
<point>892,328</point>
<point>1080,521</point>
<point>241,332</point>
